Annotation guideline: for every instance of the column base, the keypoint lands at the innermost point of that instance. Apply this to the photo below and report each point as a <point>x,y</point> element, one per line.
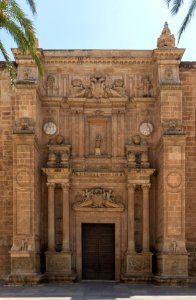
<point>25,268</point>
<point>24,279</point>
<point>192,264</point>
<point>138,267</point>
<point>172,264</point>
<point>58,267</point>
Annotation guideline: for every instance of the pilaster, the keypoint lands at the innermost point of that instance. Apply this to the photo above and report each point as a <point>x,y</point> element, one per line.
<point>58,264</point>
<point>172,258</point>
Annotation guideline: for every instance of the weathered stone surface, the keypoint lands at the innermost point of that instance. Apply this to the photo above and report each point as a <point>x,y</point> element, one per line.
<point>106,136</point>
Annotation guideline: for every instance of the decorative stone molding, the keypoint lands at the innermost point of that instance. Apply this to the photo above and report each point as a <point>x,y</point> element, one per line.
<point>98,198</point>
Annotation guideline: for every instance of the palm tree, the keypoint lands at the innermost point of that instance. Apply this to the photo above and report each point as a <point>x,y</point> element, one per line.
<point>175,6</point>
<point>14,21</point>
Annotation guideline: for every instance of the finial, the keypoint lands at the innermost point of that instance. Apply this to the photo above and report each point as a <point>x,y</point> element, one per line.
<point>166,39</point>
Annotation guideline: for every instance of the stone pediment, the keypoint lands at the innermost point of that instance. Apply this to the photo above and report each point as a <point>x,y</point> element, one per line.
<point>98,198</point>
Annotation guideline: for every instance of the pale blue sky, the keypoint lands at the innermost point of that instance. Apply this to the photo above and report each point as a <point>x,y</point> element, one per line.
<point>106,24</point>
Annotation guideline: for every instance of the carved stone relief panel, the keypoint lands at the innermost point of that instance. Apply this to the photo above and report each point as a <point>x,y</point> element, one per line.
<point>27,73</point>
<point>97,86</point>
<point>169,74</point>
<point>54,85</point>
<point>140,85</point>
<point>97,198</point>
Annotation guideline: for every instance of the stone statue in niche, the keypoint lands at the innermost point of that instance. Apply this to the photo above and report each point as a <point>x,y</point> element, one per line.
<point>98,141</point>
<point>143,86</point>
<point>97,86</point>
<point>173,246</point>
<point>98,198</point>
<point>147,86</point>
<point>50,87</point>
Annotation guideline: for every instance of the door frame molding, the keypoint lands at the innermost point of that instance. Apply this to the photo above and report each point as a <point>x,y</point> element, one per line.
<point>98,219</point>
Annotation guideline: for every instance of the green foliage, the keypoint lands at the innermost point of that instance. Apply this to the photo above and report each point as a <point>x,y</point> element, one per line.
<point>14,21</point>
<point>175,5</point>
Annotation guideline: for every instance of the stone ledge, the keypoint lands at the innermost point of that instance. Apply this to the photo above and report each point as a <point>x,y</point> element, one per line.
<point>59,277</point>
<point>25,279</point>
<point>134,279</point>
<point>171,281</point>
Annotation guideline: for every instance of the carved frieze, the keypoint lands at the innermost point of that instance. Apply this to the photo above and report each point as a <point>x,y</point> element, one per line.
<point>97,86</point>
<point>98,198</point>
<point>140,86</point>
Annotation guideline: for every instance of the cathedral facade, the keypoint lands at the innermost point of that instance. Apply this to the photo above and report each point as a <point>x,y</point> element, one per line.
<point>98,166</point>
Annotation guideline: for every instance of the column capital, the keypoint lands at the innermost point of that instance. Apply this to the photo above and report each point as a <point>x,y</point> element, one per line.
<point>146,186</point>
<point>51,184</point>
<point>131,185</point>
<point>65,185</point>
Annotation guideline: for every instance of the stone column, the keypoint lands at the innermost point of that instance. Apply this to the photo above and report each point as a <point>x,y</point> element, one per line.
<point>65,244</point>
<point>51,224</point>
<point>130,218</point>
<point>146,231</point>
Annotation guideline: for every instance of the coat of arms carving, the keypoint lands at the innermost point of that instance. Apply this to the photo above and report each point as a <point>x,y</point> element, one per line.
<point>98,198</point>
<point>97,86</point>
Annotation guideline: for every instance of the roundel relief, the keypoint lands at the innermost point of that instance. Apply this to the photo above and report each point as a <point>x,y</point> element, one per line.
<point>23,178</point>
<point>174,179</point>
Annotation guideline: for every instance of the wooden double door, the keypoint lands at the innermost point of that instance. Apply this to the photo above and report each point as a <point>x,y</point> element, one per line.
<point>98,251</point>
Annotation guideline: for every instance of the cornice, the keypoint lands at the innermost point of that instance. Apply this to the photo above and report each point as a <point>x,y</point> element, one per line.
<point>174,86</point>
<point>173,53</point>
<point>97,60</point>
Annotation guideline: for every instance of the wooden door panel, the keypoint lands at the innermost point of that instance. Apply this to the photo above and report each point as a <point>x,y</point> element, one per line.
<point>98,251</point>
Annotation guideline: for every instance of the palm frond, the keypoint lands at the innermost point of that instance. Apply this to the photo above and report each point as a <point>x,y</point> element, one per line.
<point>16,13</point>
<point>9,63</point>
<point>32,6</point>
<point>175,5</point>
<point>16,33</point>
<point>187,19</point>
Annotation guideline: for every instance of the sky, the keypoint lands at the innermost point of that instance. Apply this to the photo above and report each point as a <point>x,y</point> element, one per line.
<point>106,24</point>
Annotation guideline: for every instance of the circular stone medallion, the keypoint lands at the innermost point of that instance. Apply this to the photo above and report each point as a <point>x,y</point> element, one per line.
<point>174,179</point>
